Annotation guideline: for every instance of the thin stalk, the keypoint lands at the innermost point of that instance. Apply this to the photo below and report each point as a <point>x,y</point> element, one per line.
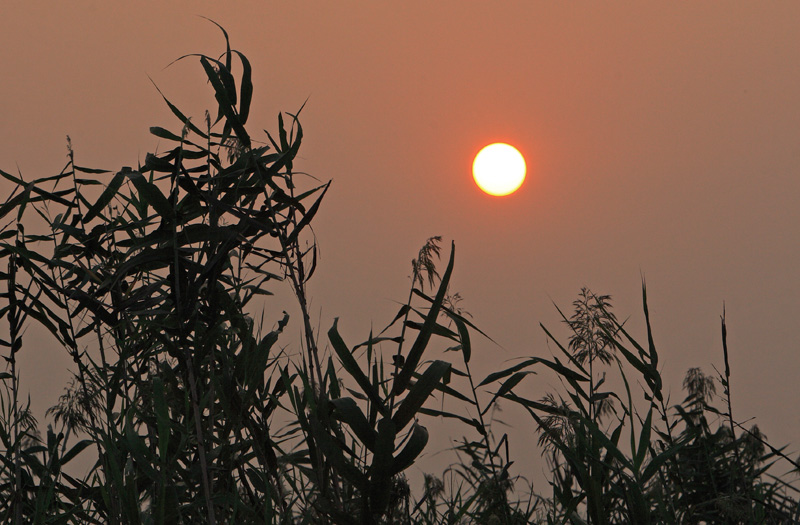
<point>295,270</point>
<point>399,354</point>
<point>13,321</point>
<point>293,265</point>
<point>423,262</point>
<point>727,374</point>
<point>480,418</point>
<point>737,471</point>
<point>189,362</point>
<point>73,350</point>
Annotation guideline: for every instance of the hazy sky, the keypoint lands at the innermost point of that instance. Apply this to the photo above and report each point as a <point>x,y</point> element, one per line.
<point>662,139</point>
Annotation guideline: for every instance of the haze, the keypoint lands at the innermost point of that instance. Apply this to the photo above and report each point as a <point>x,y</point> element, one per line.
<point>662,139</point>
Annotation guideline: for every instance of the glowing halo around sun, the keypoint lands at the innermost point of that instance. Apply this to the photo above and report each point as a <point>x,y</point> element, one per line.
<point>499,169</point>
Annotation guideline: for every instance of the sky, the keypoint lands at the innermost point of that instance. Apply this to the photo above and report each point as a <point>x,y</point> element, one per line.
<point>662,141</point>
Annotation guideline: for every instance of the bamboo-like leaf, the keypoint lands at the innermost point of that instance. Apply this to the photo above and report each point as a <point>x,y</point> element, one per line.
<point>449,415</point>
<point>226,99</point>
<point>75,450</point>
<point>376,340</point>
<point>89,170</point>
<point>563,350</point>
<point>150,194</point>
<point>333,452</point>
<point>333,380</point>
<point>350,364</point>
<point>650,343</point>
<point>157,164</point>
<point>655,464</point>
<point>452,314</point>
<point>442,387</point>
<point>282,136</point>
<point>164,134</point>
<point>494,376</point>
<point>16,201</point>
<point>463,333</point>
<point>436,329</point>
<point>347,411</point>
<point>400,315</point>
<point>421,342</point>
<point>309,215</point>
<point>227,42</point>
<point>506,387</point>
<point>651,376</point>
<point>105,197</point>
<point>411,451</point>
<point>419,393</point>
<point>536,405</point>
<point>43,194</point>
<point>246,89</point>
<point>644,441</point>
<point>175,111</point>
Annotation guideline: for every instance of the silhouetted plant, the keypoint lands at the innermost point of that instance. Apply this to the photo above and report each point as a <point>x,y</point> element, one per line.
<point>193,413</point>
<point>692,474</point>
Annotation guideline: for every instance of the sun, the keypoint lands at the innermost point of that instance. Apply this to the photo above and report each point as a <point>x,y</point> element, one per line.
<point>499,169</point>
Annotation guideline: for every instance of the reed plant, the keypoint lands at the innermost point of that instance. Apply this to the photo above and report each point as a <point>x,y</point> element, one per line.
<point>192,410</point>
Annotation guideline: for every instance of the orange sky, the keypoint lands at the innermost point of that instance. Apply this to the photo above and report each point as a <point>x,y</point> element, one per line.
<point>661,138</point>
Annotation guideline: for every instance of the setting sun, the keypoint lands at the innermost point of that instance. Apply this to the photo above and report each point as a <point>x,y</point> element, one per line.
<point>499,169</point>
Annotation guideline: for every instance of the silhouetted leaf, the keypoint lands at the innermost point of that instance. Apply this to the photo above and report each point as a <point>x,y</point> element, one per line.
<point>441,413</point>
<point>494,376</point>
<point>414,447</point>
<point>421,342</point>
<point>89,170</point>
<point>309,215</point>
<point>75,450</point>
<point>350,364</point>
<point>150,194</point>
<point>509,384</point>
<point>165,134</point>
<point>419,393</point>
<point>105,197</point>
<point>175,111</point>
<point>246,90</point>
<point>348,412</point>
<point>463,334</point>
<point>226,99</point>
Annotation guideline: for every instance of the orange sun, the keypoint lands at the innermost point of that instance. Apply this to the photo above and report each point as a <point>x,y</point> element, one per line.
<point>499,169</point>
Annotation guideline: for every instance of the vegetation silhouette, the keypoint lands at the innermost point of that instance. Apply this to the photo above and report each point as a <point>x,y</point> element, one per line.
<point>195,413</point>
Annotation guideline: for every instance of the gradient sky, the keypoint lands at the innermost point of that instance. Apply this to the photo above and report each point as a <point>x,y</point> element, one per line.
<point>662,139</point>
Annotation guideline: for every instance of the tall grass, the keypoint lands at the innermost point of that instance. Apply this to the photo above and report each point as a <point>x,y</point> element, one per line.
<point>194,412</point>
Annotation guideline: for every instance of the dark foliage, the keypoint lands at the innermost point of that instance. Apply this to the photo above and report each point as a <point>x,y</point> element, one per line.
<point>193,412</point>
